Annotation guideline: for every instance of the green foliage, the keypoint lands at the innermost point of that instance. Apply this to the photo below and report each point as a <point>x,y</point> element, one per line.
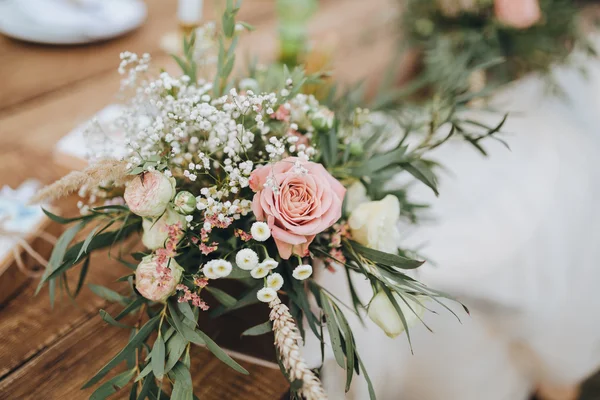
<point>454,46</point>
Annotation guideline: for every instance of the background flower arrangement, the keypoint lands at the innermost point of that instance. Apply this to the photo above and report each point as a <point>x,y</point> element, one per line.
<point>505,38</point>
<point>248,180</point>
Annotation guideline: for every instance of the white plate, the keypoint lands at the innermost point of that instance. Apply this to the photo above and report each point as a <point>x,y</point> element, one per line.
<point>69,21</point>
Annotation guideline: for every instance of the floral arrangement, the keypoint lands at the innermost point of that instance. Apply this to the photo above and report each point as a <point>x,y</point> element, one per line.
<point>225,179</point>
<point>506,38</point>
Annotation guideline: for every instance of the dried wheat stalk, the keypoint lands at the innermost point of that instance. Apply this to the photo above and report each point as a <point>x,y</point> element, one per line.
<point>287,340</point>
<point>94,175</point>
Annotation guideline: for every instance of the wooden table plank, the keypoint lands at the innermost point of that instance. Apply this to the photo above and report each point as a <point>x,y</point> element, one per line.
<point>30,70</point>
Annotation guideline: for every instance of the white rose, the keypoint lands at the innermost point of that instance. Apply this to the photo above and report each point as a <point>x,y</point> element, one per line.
<point>149,194</point>
<point>356,194</point>
<point>149,283</point>
<point>156,233</point>
<point>384,314</point>
<point>374,224</point>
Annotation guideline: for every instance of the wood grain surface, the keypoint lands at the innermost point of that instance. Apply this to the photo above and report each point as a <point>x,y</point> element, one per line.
<point>48,353</point>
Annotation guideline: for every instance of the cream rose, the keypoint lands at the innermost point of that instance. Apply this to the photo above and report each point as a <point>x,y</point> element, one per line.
<point>374,224</point>
<point>384,314</point>
<point>356,195</point>
<point>154,284</point>
<point>298,199</point>
<point>149,194</point>
<point>156,232</point>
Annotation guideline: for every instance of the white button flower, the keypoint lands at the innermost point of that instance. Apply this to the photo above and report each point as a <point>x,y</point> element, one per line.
<point>215,269</point>
<point>266,295</point>
<point>269,263</point>
<point>260,231</point>
<point>259,272</point>
<point>301,272</point>
<point>275,281</point>
<point>246,259</point>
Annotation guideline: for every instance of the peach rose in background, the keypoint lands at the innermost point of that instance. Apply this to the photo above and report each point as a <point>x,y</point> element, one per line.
<point>149,194</point>
<point>306,201</point>
<point>518,14</point>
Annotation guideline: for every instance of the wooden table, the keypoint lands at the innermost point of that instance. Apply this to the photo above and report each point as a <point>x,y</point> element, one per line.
<point>46,91</point>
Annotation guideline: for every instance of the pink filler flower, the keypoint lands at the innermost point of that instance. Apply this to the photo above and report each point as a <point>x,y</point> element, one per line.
<point>308,201</point>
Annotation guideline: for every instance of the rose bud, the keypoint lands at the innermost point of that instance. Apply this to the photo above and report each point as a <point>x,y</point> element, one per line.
<point>185,202</point>
<point>156,232</point>
<point>384,314</point>
<point>154,284</point>
<point>149,194</point>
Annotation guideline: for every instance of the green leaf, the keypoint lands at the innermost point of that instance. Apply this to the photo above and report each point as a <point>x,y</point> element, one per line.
<point>147,370</point>
<point>107,318</point>
<point>146,386</point>
<point>248,298</point>
<point>158,357</point>
<point>182,386</point>
<point>380,257</point>
<point>82,275</point>
<point>349,341</point>
<point>131,346</point>
<point>113,385</point>
<point>130,307</point>
<point>419,170</point>
<point>224,298</point>
<point>86,242</point>
<point>62,220</point>
<point>334,333</point>
<point>190,334</point>
<point>380,162</point>
<point>187,311</point>
<point>175,347</point>
<point>258,330</point>
<point>107,293</point>
<point>220,354</point>
<point>59,251</point>
<point>368,380</point>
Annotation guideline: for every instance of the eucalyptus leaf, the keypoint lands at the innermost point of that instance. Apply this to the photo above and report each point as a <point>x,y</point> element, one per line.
<point>158,357</point>
<point>258,330</point>
<point>113,385</point>
<point>222,297</point>
<point>138,339</point>
<point>107,318</point>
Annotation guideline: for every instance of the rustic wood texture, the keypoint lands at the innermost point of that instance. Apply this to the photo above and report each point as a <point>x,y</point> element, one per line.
<point>49,353</point>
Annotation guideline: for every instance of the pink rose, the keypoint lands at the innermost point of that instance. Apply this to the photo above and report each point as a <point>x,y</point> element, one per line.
<point>149,194</point>
<point>308,201</point>
<point>518,14</point>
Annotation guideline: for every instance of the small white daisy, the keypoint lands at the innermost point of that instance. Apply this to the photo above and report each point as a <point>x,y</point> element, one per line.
<point>215,269</point>
<point>260,231</point>
<point>259,272</point>
<point>266,295</point>
<point>246,259</point>
<point>301,272</point>
<point>269,263</point>
<point>275,281</point>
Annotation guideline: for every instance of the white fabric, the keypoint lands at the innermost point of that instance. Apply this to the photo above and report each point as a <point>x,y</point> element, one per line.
<point>516,236</point>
